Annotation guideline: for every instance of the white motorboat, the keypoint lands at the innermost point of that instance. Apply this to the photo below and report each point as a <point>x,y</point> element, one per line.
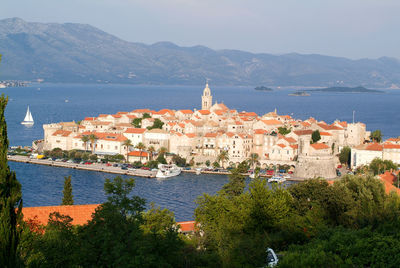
<point>166,171</point>
<point>276,179</point>
<point>28,120</point>
<point>198,171</point>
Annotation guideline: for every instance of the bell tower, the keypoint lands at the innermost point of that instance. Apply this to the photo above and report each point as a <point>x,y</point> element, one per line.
<point>206,99</point>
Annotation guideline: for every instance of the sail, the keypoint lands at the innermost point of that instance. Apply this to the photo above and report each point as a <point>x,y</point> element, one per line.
<point>28,116</point>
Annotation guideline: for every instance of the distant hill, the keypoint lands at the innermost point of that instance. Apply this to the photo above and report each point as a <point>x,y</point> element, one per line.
<point>81,53</point>
<point>358,89</point>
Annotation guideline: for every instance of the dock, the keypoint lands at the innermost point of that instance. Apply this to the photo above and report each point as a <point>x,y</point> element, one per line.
<point>99,167</point>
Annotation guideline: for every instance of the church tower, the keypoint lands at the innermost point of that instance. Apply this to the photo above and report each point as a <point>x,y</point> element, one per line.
<point>206,99</point>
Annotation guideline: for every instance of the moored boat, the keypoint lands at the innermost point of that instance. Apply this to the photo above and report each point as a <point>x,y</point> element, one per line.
<point>198,171</point>
<point>276,179</point>
<point>167,171</point>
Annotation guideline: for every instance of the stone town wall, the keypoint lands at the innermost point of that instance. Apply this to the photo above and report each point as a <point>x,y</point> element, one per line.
<point>316,166</point>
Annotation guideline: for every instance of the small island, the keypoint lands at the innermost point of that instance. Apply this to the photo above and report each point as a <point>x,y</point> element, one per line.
<point>300,94</point>
<point>358,89</point>
<point>262,88</point>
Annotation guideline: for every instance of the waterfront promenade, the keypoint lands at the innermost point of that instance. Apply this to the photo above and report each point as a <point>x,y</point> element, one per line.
<point>100,167</point>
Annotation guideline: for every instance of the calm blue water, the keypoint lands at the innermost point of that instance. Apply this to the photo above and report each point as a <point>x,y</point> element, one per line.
<point>42,185</point>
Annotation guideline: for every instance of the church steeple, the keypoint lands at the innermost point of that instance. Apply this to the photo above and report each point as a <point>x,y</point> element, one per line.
<point>206,99</point>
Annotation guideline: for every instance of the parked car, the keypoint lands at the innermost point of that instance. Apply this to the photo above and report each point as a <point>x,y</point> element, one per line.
<point>124,167</point>
<point>108,165</point>
<point>88,163</point>
<point>145,168</point>
<point>70,161</point>
<point>270,172</point>
<point>115,165</point>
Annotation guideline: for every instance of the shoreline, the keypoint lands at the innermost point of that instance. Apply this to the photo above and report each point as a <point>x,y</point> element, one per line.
<point>114,170</point>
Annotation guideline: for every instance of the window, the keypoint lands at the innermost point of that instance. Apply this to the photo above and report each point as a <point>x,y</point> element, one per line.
<point>116,147</point>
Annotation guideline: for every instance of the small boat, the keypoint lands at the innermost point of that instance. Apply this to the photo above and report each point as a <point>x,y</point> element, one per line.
<point>198,171</point>
<point>166,171</point>
<point>28,120</point>
<point>66,100</point>
<point>276,179</point>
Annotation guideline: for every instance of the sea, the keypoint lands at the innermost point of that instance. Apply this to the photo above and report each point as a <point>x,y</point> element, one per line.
<point>42,185</point>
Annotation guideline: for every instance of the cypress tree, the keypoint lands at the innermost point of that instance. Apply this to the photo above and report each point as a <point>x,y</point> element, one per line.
<point>10,201</point>
<point>67,192</point>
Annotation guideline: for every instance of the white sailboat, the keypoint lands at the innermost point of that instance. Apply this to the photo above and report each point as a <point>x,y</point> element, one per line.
<point>28,120</point>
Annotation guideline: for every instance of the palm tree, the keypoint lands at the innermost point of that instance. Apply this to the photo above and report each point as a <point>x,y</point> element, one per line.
<point>93,138</point>
<point>127,143</point>
<point>222,157</point>
<point>253,160</point>
<point>162,150</point>
<point>151,150</point>
<point>141,147</point>
<point>85,140</point>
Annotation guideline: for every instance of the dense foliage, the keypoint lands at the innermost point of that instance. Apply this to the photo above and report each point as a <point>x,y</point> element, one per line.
<point>67,192</point>
<point>376,136</point>
<point>10,201</point>
<point>315,136</point>
<point>345,155</point>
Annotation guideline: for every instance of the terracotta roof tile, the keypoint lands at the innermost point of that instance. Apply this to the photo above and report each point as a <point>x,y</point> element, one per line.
<point>319,146</point>
<point>135,130</point>
<point>80,214</point>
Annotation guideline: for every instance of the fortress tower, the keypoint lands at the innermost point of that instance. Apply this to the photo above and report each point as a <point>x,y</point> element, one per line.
<point>206,99</point>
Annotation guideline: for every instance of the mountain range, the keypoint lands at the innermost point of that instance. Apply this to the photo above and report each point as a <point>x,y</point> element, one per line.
<point>80,53</point>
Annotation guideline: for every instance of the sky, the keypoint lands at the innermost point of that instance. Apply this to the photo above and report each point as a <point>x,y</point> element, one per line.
<point>346,28</point>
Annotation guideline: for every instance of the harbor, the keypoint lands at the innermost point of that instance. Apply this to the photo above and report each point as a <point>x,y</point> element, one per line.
<point>101,167</point>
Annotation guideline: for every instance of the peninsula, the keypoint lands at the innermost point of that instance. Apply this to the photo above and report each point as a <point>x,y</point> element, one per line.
<point>218,136</point>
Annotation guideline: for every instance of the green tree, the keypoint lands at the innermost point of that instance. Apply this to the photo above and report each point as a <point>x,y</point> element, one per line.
<point>345,155</point>
<point>222,157</point>
<point>284,130</point>
<point>156,124</point>
<point>140,146</point>
<point>253,160</point>
<point>127,143</point>
<point>376,136</point>
<point>151,151</point>
<point>10,201</point>
<point>67,192</point>
<point>85,140</point>
<point>179,161</point>
<point>146,115</point>
<point>137,122</point>
<point>208,163</point>
<point>379,166</point>
<point>315,136</point>
<point>93,138</point>
<point>215,164</point>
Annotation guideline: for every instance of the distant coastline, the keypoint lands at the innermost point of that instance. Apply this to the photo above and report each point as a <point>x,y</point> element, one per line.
<point>263,88</point>
<point>358,89</point>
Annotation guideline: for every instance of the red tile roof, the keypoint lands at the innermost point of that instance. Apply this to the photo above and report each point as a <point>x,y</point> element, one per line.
<point>187,226</point>
<point>135,130</point>
<point>211,135</point>
<point>204,112</point>
<point>186,111</point>
<point>138,154</point>
<point>80,214</point>
<point>303,132</point>
<point>63,133</point>
<point>272,122</point>
<point>319,146</point>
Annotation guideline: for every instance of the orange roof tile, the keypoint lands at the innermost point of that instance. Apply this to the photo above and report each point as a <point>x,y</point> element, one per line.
<point>204,112</point>
<point>294,146</point>
<point>80,214</point>
<point>186,111</point>
<point>138,153</point>
<point>391,146</point>
<point>374,147</point>
<point>191,135</point>
<point>89,118</point>
<point>272,122</point>
<point>322,133</point>
<point>211,135</point>
<point>303,132</point>
<point>135,130</point>
<point>63,133</point>
<point>281,145</point>
<point>187,226</point>
<point>319,146</point>
<point>260,131</point>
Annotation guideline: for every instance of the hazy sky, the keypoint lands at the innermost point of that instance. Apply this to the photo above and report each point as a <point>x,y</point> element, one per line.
<point>348,28</point>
